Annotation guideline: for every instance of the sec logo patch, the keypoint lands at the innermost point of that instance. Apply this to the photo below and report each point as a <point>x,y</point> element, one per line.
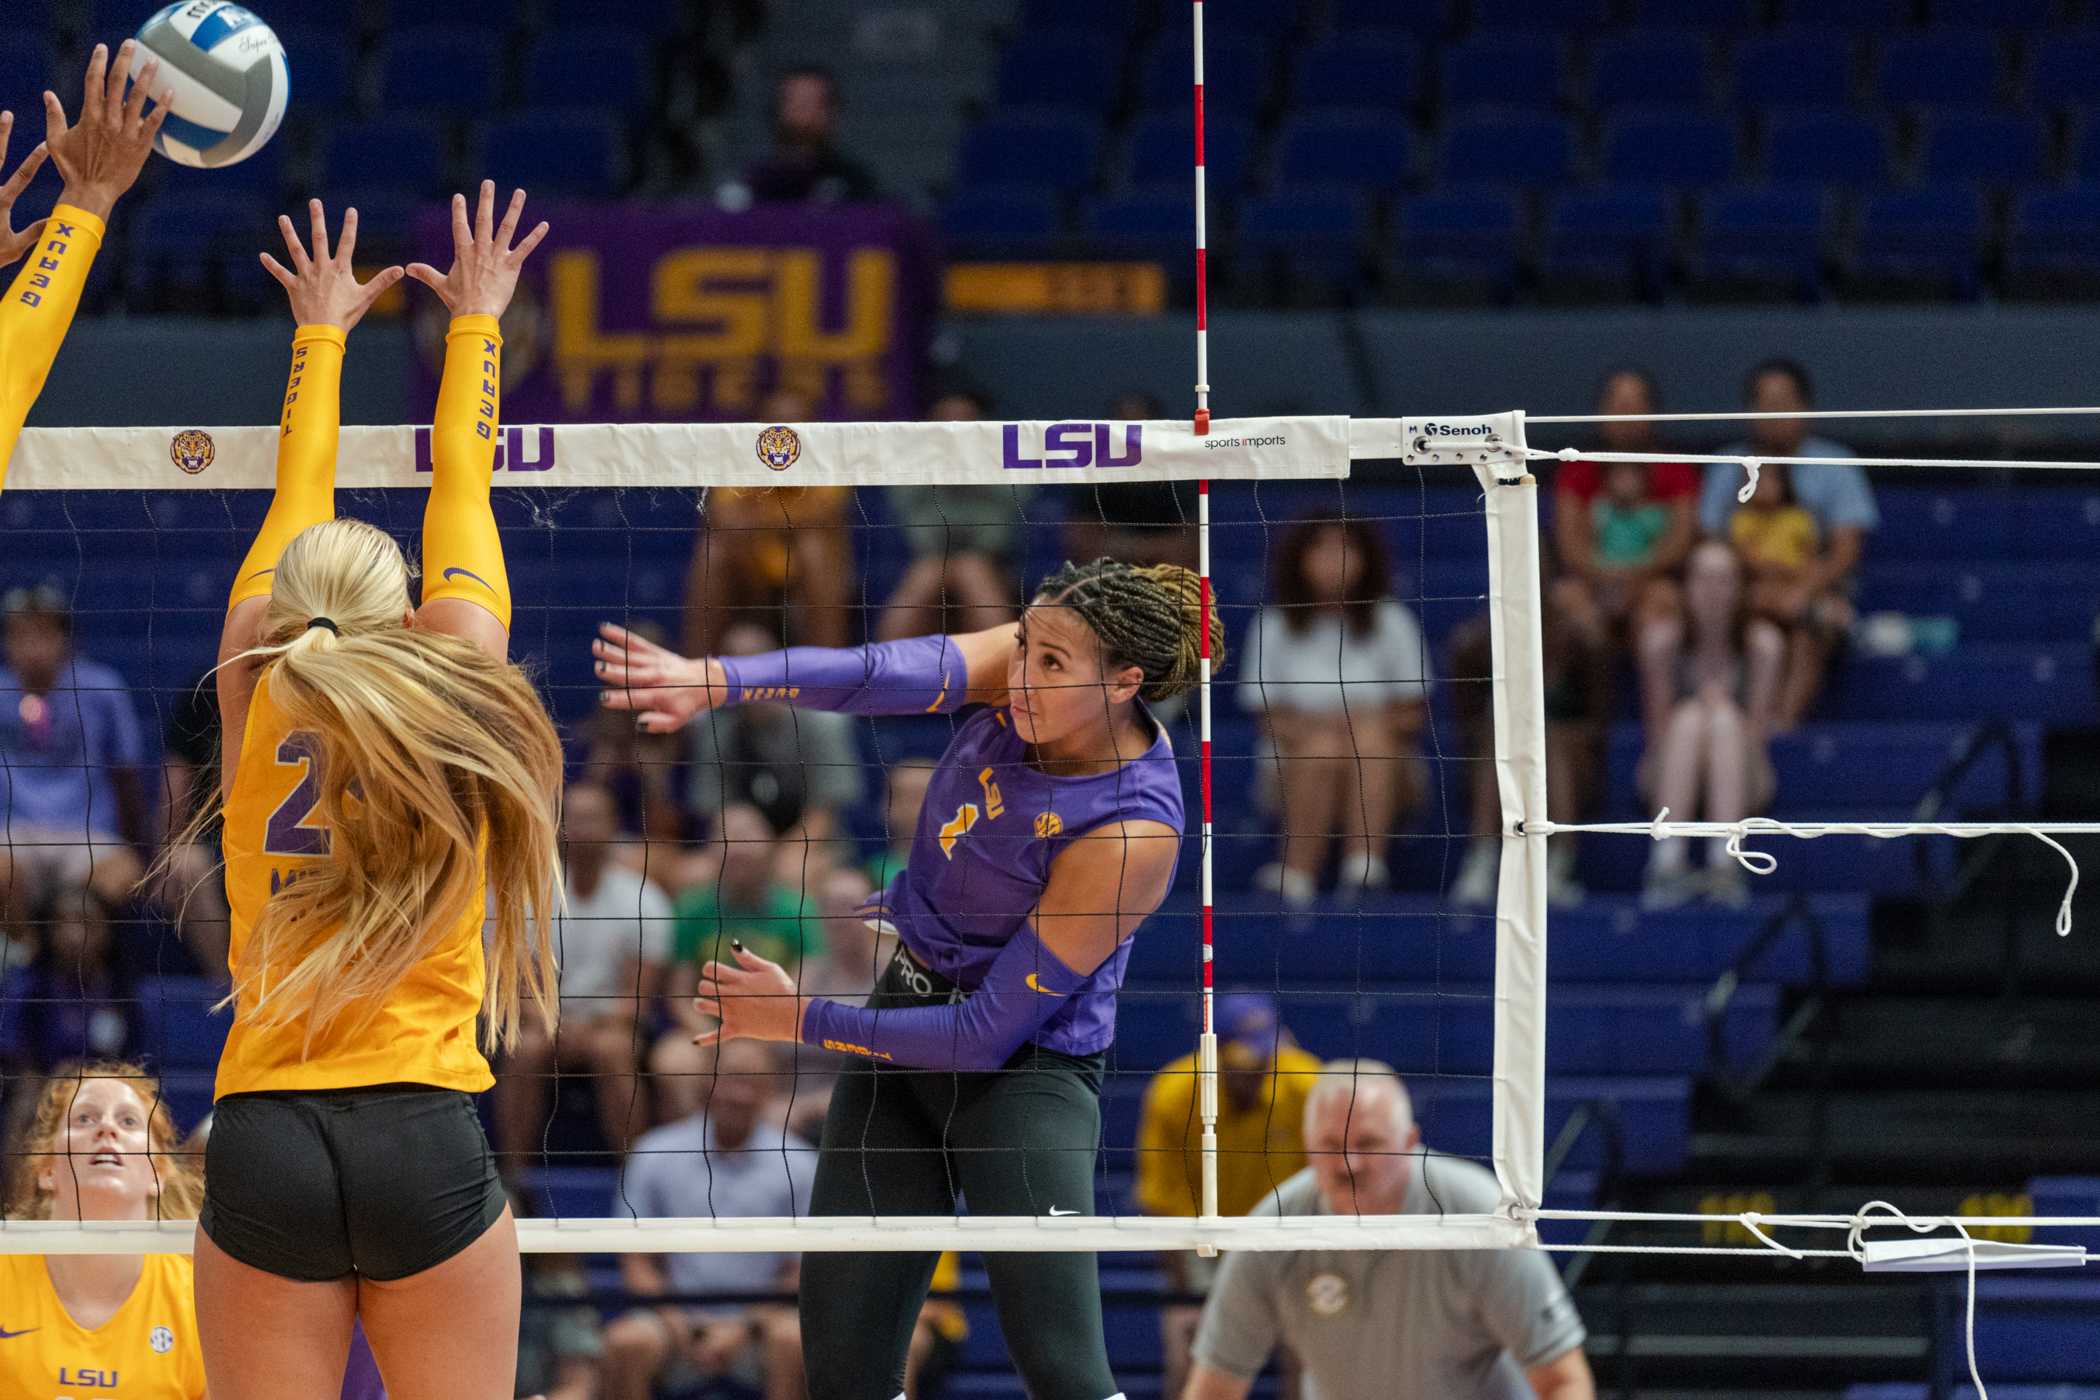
<point>162,1340</point>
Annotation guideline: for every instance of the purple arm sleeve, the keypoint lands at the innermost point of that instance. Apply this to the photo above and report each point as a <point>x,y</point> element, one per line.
<point>920,675</point>
<point>1024,987</point>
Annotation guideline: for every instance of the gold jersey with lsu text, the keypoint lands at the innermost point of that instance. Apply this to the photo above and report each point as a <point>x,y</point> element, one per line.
<point>423,1031</point>
<point>146,1351</point>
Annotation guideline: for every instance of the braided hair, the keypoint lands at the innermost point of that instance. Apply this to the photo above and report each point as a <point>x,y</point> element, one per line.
<point>1151,617</point>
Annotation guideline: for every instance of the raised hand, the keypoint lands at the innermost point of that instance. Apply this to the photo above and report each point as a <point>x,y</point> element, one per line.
<point>12,243</point>
<point>101,155</point>
<point>323,286</point>
<point>485,266</point>
<point>664,689</point>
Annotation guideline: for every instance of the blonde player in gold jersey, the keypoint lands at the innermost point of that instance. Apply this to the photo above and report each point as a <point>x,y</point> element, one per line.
<point>102,1146</point>
<point>99,157</point>
<point>385,771</point>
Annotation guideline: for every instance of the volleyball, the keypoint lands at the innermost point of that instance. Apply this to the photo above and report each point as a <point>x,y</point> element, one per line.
<point>228,73</point>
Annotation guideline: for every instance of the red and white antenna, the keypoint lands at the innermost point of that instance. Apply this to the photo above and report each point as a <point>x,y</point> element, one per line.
<point>1207,1043</point>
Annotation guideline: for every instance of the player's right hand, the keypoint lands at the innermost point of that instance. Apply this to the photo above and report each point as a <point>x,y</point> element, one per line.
<point>664,689</point>
<point>323,286</point>
<point>101,155</point>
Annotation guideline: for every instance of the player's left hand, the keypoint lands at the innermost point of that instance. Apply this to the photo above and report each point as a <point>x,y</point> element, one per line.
<point>751,999</point>
<point>485,267</point>
<point>13,244</point>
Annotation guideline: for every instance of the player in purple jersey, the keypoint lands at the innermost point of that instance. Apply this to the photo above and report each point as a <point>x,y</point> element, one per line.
<point>1050,832</point>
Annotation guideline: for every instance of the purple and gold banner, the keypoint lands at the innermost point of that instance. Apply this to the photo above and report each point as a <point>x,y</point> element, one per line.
<point>685,313</point>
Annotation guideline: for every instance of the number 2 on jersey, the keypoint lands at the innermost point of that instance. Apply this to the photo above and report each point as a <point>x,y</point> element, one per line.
<point>969,814</point>
<point>289,832</point>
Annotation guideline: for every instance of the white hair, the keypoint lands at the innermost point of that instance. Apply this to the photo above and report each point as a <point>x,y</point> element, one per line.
<point>1358,1079</point>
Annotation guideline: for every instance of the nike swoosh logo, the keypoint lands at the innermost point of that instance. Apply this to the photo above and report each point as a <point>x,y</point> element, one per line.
<point>469,573</point>
<point>5,1334</point>
<point>1035,986</point>
<point>1055,1211</point>
<point>257,574</point>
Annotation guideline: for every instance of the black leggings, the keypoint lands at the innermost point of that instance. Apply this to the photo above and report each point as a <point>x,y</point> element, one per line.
<point>909,1142</point>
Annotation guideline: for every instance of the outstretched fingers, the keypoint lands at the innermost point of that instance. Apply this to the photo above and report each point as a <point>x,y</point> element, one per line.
<point>134,109</point>
<point>317,220</point>
<point>113,83</point>
<point>292,245</point>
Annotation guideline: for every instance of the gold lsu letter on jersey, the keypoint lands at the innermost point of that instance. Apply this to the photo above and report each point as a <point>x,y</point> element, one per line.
<point>147,1351</point>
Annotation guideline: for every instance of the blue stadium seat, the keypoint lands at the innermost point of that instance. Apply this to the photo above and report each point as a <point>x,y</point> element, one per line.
<point>1992,14</point>
<point>1991,148</point>
<point>2085,156</point>
<point>1425,19</point>
<point>1343,148</point>
<point>1462,236</point>
<point>2060,71</point>
<point>1877,15</point>
<point>441,69</point>
<point>1649,67</point>
<point>323,65</point>
<point>1578,15</point>
<point>1266,25</point>
<point>2039,601</point>
<point>1793,70</point>
<point>1826,148</point>
<point>1353,71</point>
<point>1316,234</point>
<point>401,151</point>
<point>1928,236</point>
<point>1613,238</point>
<point>596,67</point>
<point>2055,234</point>
<point>653,18</point>
<point>1705,15</point>
<point>1163,147</point>
<point>1001,215</point>
<point>1770,236</point>
<point>1507,149</point>
<point>1153,221</point>
<point>577,153</point>
<point>25,70</point>
<point>183,241</point>
<point>2017,681</point>
<point>1052,148</point>
<point>1679,149</point>
<point>1060,68</point>
<point>2029,1330</point>
<point>1502,70</point>
<point>1941,67</point>
<point>1112,18</point>
<point>1235,74</point>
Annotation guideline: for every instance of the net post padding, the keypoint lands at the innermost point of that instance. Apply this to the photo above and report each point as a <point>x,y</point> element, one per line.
<point>1518,690</point>
<point>832,1234</point>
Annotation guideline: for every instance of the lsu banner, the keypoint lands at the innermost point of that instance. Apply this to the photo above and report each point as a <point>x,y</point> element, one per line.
<point>677,313</point>
<point>694,455</point>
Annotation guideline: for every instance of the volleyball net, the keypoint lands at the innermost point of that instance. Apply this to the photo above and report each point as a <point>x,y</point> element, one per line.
<point>1394,771</point>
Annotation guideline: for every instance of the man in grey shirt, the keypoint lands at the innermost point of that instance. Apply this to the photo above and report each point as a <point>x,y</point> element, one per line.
<point>1456,1324</point>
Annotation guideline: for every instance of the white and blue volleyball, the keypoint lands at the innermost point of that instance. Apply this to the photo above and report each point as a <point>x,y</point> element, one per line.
<point>228,72</point>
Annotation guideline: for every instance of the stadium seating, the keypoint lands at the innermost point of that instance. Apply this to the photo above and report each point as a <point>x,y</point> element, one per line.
<point>1353,71</point>
<point>1503,70</point>
<point>1014,218</point>
<point>1940,68</point>
<point>1150,221</point>
<point>1076,69</point>
<point>325,65</point>
<point>450,69</point>
<point>1467,238</point>
<point>1672,148</point>
<point>1988,148</point>
<point>1877,15</point>
<point>2054,241</point>
<point>2060,72</point>
<point>1826,148</point>
<point>1235,75</point>
<point>1048,147</point>
<point>1793,70</point>
<point>578,154</point>
<point>1366,149</point>
<point>1163,148</point>
<point>594,67</point>
<point>1504,148</point>
<point>1770,237</point>
<point>1312,237</point>
<point>1650,68</point>
<point>25,67</point>
<point>1929,239</point>
<point>1576,15</point>
<point>1614,240</point>
<point>404,153</point>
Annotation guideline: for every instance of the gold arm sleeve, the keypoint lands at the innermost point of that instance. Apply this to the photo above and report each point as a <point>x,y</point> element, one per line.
<point>462,553</point>
<point>306,445</point>
<point>38,312</point>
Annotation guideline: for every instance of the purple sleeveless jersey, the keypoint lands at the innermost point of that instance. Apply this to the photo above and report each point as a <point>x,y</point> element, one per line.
<point>991,826</point>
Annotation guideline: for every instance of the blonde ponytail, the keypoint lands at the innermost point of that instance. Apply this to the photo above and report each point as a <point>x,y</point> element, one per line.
<point>439,775</point>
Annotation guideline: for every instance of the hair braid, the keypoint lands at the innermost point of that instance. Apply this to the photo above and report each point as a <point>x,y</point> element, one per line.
<point>1151,617</point>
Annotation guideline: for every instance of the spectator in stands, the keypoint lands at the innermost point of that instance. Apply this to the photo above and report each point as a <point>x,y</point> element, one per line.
<point>1338,672</point>
<point>1143,522</point>
<point>560,1345</point>
<point>1623,531</point>
<point>799,769</point>
<point>1263,1079</point>
<point>640,769</point>
<point>782,552</point>
<point>1456,1324</point>
<point>853,957</point>
<point>73,808</point>
<point>1810,602</point>
<point>732,1158</point>
<point>188,886</point>
<point>962,541</point>
<point>903,795</point>
<point>1712,760</point>
<point>805,165</point>
<point>614,940</point>
<point>1577,676</point>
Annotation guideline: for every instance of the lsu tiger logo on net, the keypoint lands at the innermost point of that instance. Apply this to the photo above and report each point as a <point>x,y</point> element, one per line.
<point>779,447</point>
<point>192,450</point>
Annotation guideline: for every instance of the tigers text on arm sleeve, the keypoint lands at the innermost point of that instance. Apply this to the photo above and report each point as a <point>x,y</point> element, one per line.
<point>1024,987</point>
<point>920,675</point>
<point>37,313</point>
<point>306,444</point>
<point>462,553</point>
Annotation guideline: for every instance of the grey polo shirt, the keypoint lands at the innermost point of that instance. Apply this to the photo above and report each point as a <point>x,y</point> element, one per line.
<point>1394,1323</point>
